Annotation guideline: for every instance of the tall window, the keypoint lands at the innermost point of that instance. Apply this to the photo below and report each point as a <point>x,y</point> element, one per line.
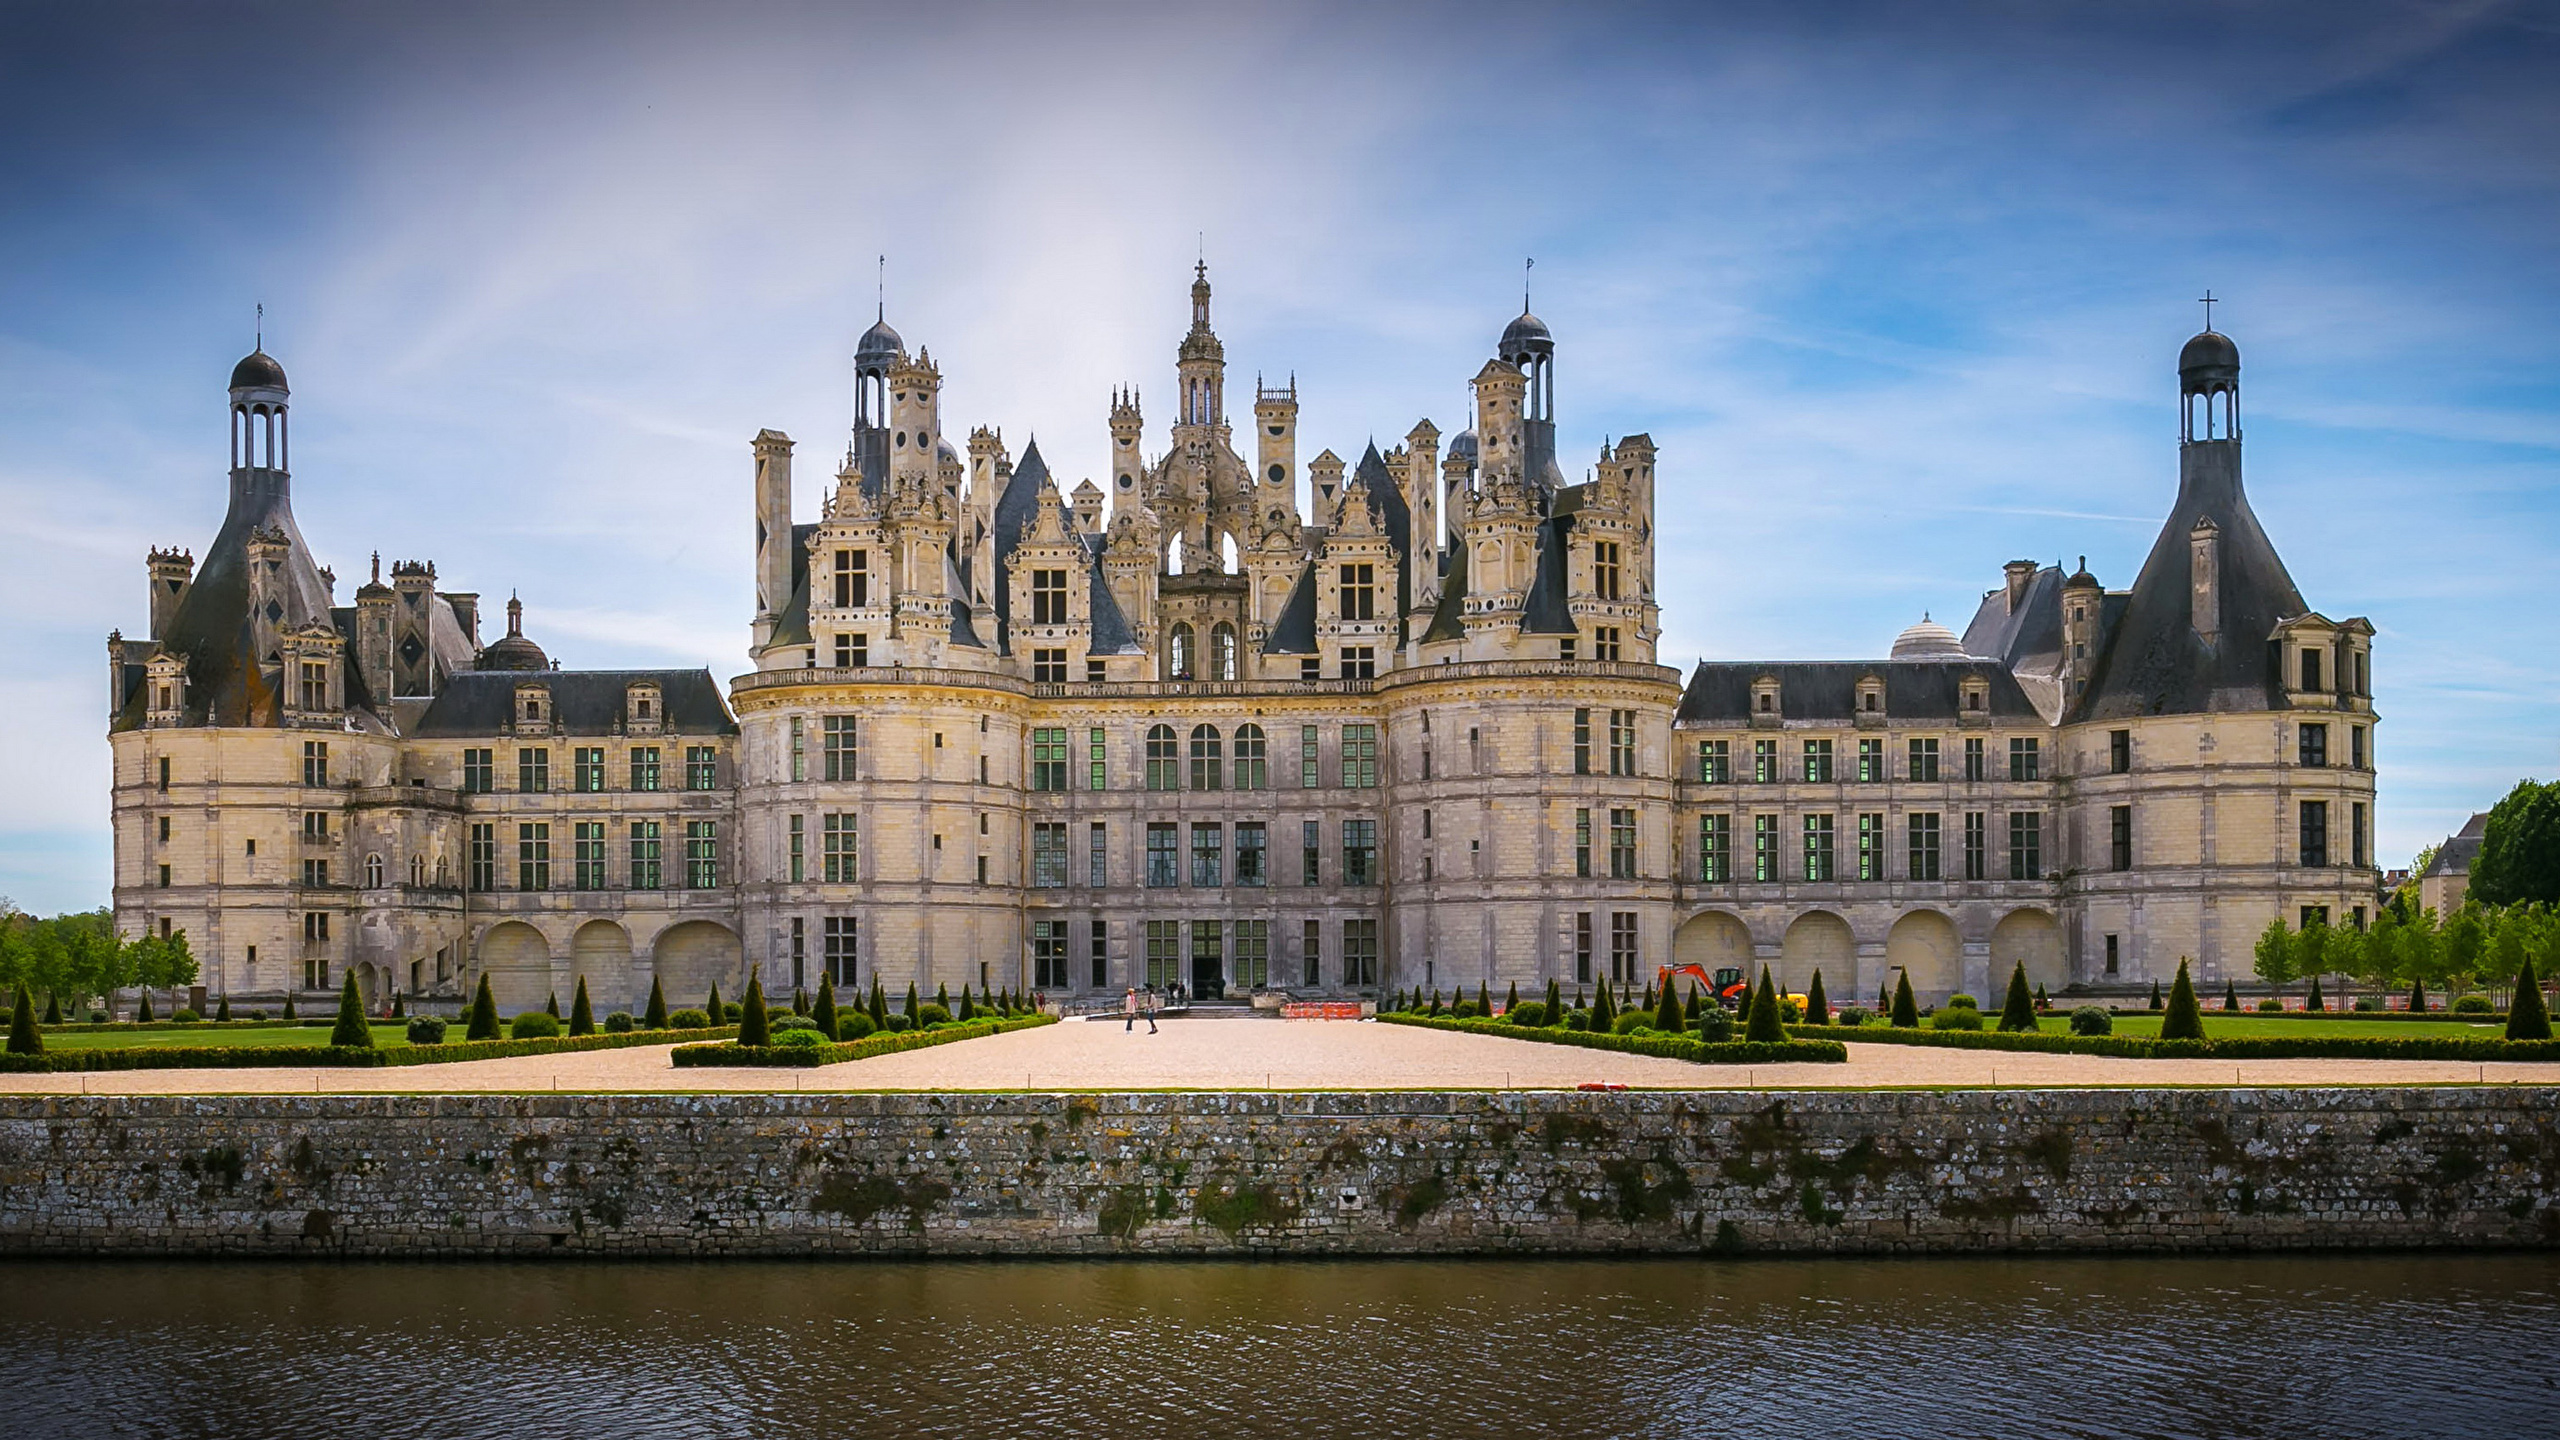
<point>1923,826</point>
<point>1311,952</point>
<point>1604,569</point>
<point>2120,751</point>
<point>1049,597</point>
<point>1360,953</point>
<point>2311,746</point>
<point>586,769</point>
<point>484,857</point>
<point>533,856</point>
<point>799,857</point>
<point>315,764</point>
<point>1307,779</point>
<point>1180,648</point>
<point>1049,954</point>
<point>1870,846</point>
<point>853,579</point>
<point>1222,651</point>
<point>1715,762</point>
<point>1164,856</point>
<point>1208,947</point>
<point>644,767</point>
<point>1310,853</point>
<point>1817,762</point>
<point>1360,757</point>
<point>1097,948</point>
<point>1582,742</point>
<point>1764,849</point>
<point>1164,952</point>
<point>1252,961</point>
<point>1622,844</point>
<point>533,769</point>
<point>2355,834</point>
<point>1252,849</point>
<point>1208,854</point>
<point>1622,742</point>
<point>2023,757</point>
<point>1715,849</point>
<point>1097,857</point>
<point>1975,768</point>
<point>2120,837</point>
<point>2026,845</point>
<point>701,767</point>
<point>2311,670</point>
<point>1582,948</point>
<point>479,776</point>
<point>644,855</point>
<point>1764,762</point>
<point>1097,773</point>
<point>799,770</point>
<point>1870,760</point>
<point>1207,763</point>
<point>315,685</point>
<point>702,854</point>
<point>1976,866</point>
<point>852,651</point>
<point>1582,843</point>
<point>1250,771</point>
<point>838,848</point>
<point>1820,851</point>
<point>1164,759</point>
<point>1049,759</point>
<point>1622,946</point>
<point>2315,832</point>
<point>1359,592</point>
<point>1049,666</point>
<point>1924,759</point>
<point>1359,852</point>
<point>836,941</point>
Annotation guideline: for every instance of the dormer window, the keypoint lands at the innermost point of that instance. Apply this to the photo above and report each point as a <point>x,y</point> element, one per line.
<point>643,708</point>
<point>1977,697</point>
<point>533,706</point>
<point>1870,695</point>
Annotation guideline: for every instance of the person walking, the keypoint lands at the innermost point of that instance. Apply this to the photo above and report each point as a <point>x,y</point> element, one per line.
<point>1129,1010</point>
<point>1150,1006</point>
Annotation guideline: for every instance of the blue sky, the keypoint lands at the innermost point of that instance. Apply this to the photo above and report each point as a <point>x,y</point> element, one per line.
<point>1897,289</point>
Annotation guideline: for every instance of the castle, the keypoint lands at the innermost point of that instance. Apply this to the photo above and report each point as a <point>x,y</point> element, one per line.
<point>1176,729</point>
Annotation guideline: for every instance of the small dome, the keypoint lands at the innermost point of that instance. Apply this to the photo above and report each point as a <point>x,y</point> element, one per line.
<point>1463,444</point>
<point>257,371</point>
<point>1526,333</point>
<point>2210,350</point>
<point>879,343</point>
<point>515,651</point>
<point>1928,640</point>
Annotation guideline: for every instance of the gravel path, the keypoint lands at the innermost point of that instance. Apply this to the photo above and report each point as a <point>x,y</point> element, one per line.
<point>1203,1054</point>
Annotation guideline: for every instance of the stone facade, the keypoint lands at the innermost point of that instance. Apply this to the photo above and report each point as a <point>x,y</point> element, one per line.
<point>1399,725</point>
<point>1350,1173</point>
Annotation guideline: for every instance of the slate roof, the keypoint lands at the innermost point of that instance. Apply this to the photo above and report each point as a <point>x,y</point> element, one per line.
<point>583,702</point>
<point>1720,690</point>
<point>2455,855</point>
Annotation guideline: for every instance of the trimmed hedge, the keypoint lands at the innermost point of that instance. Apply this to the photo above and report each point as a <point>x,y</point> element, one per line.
<point>2237,1047</point>
<point>1814,1049</point>
<point>2433,1017</point>
<point>280,1057</point>
<point>83,1027</point>
<point>884,1043</point>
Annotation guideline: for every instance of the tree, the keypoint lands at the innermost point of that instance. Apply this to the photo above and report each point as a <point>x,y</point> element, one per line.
<point>2528,1018</point>
<point>2417,997</point>
<point>2182,1020</point>
<point>655,1017</point>
<point>2018,1011</point>
<point>484,1013</point>
<point>582,1015</point>
<point>1767,1025</point>
<point>1906,1008</point>
<point>2273,955</point>
<point>2460,949</point>
<point>351,1031</point>
<point>24,1037</point>
<point>754,1026</point>
<point>2519,859</point>
<point>2510,941</point>
<point>1666,1013</point>
<point>1817,1006</point>
<point>824,1012</point>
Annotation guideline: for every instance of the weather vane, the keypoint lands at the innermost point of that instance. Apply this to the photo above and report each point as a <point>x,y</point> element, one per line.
<point>262,327</point>
<point>880,291</point>
<point>1530,265</point>
<point>2207,303</point>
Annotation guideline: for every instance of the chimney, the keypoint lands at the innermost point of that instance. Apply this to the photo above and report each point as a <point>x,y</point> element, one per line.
<point>171,572</point>
<point>2018,574</point>
<point>2204,578</point>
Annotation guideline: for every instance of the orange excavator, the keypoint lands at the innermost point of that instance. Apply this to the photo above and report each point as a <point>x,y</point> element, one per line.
<point>1728,987</point>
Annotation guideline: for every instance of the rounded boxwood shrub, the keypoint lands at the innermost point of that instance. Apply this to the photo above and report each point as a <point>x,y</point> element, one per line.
<point>620,1023</point>
<point>1631,1022</point>
<point>184,1017</point>
<point>2474,1005</point>
<point>898,1021</point>
<point>98,1017</point>
<point>1577,1019</point>
<point>788,1021</point>
<point>853,1025</point>
<point>426,1029</point>
<point>1714,1024</point>
<point>930,1014</point>
<point>1964,1001</point>
<point>2367,1002</point>
<point>2092,1020</point>
<point>800,1037</point>
<point>732,1013</point>
<point>1850,1015</point>
<point>1527,1012</point>
<point>534,1025</point>
<point>1956,1017</point>
<point>2271,1004</point>
<point>688,1019</point>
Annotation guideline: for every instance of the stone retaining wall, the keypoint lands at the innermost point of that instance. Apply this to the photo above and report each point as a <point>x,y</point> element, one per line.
<point>1360,1173</point>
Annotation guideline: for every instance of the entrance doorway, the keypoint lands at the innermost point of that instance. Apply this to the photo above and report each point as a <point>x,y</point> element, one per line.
<point>1208,959</point>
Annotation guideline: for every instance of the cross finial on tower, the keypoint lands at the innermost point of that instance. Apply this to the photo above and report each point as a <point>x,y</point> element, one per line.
<point>880,291</point>
<point>1531,264</point>
<point>2207,303</point>
<point>261,343</point>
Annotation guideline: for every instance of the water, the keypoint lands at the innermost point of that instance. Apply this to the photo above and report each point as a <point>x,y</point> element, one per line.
<point>2281,1346</point>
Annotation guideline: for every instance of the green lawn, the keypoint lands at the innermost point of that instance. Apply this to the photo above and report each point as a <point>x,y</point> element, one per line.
<point>73,1037</point>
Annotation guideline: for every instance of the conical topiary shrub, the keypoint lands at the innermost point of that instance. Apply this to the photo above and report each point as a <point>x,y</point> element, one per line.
<point>2042,1004</point>
<point>399,1006</point>
<point>1817,1006</point>
<point>52,1008</point>
<point>1648,995</point>
<point>1767,1024</point>
<point>2230,995</point>
<point>712,1007</point>
<point>824,1012</point>
<point>968,1006</point>
<point>1906,1008</point>
<point>484,1013</point>
<point>1884,999</point>
<point>912,1000</point>
<point>582,1015</point>
<point>2528,1018</point>
<point>24,1037</point>
<point>2155,995</point>
<point>2318,1000</point>
<point>1666,1014</point>
<point>754,1027</point>
<point>1604,1014</point>
<point>942,997</point>
<point>879,1004</point>
<point>222,1007</point>
<point>288,1006</point>
<point>1511,998</point>
<point>2018,1010</point>
<point>799,1000</point>
<point>2181,1020</point>
<point>551,1004</point>
<point>655,1017</point>
<point>1555,1002</point>
<point>2417,997</point>
<point>351,1031</point>
<point>142,1012</point>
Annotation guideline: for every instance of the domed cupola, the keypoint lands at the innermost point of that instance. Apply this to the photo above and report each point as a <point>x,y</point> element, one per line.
<point>2209,385</point>
<point>259,400</point>
<point>1928,640</point>
<point>879,345</point>
<point>258,370</point>
<point>1525,338</point>
<point>516,651</point>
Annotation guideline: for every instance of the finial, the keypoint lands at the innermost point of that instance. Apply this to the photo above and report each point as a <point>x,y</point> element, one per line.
<point>515,614</point>
<point>1524,283</point>
<point>880,292</point>
<point>377,567</point>
<point>2207,303</point>
<point>261,343</point>
<point>1924,617</point>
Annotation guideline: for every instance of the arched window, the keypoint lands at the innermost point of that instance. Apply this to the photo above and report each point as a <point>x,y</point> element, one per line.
<point>373,872</point>
<point>1250,774</point>
<point>417,869</point>
<point>1183,646</point>
<point>1164,759</point>
<point>1222,651</point>
<point>1207,756</point>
